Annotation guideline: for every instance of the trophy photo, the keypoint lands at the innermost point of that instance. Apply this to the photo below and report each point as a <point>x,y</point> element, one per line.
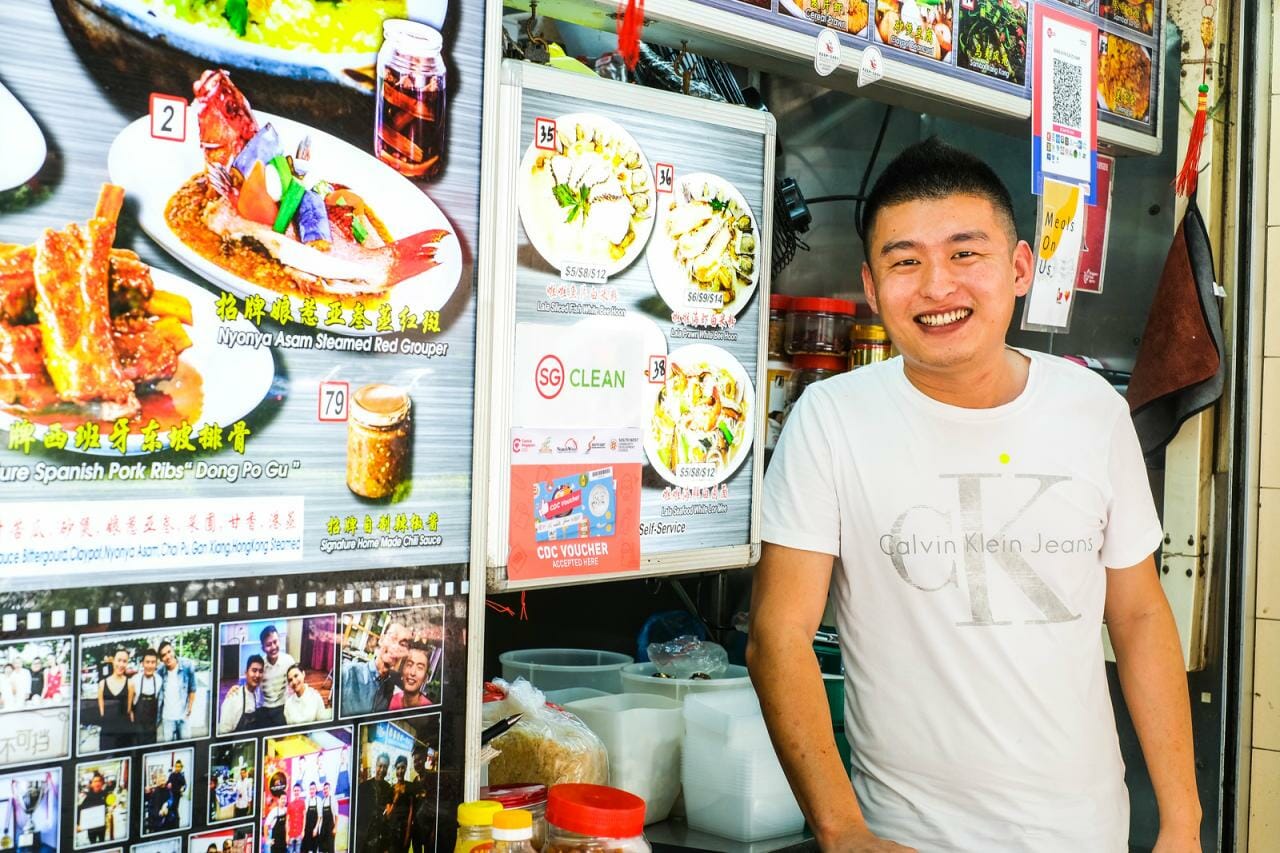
<point>30,800</point>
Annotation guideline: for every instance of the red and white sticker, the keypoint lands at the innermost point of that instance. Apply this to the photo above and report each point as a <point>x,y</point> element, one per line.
<point>544,133</point>
<point>664,177</point>
<point>334,402</point>
<point>168,117</point>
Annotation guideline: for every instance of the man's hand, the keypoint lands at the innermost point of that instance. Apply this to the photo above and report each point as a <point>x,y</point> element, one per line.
<point>862,840</point>
<point>1178,840</point>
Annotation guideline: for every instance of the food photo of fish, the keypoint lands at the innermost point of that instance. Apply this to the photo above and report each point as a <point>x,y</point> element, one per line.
<point>589,197</point>
<point>705,251</point>
<point>264,205</point>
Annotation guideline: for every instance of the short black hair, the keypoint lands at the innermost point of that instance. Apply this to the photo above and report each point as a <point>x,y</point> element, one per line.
<point>258,659</point>
<point>932,169</point>
<point>149,653</point>
<point>266,632</point>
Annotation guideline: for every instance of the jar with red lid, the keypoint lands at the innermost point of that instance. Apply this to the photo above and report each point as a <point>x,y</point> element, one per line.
<point>532,798</point>
<point>818,325</point>
<point>595,818</point>
<point>813,368</point>
<point>778,307</point>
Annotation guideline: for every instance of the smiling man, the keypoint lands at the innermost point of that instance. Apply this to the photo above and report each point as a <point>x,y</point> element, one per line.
<point>990,509</point>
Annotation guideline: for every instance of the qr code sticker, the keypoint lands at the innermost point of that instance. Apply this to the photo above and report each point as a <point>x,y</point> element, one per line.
<point>1068,107</point>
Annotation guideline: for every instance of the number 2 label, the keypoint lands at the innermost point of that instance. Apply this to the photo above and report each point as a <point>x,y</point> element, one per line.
<point>334,401</point>
<point>544,134</point>
<point>168,117</point>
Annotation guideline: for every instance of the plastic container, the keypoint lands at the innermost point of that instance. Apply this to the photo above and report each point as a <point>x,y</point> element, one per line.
<point>870,344</point>
<point>642,733</point>
<point>819,326</point>
<point>475,825</point>
<point>639,678</point>
<point>733,784</point>
<point>595,818</point>
<point>556,669</point>
<point>813,368</point>
<point>572,694</point>
<point>513,832</point>
<point>779,305</point>
<point>529,798</point>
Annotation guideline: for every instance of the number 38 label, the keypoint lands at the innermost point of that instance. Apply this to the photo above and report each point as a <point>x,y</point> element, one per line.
<point>334,401</point>
<point>168,117</point>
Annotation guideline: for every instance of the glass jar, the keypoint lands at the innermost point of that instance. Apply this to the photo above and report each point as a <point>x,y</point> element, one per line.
<point>778,307</point>
<point>475,825</point>
<point>595,818</point>
<point>513,832</point>
<point>819,326</point>
<point>408,130</point>
<point>813,368</point>
<point>870,344</point>
<point>379,440</point>
<point>531,798</point>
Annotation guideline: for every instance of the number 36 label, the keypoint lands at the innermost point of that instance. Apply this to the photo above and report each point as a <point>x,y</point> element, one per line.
<point>168,117</point>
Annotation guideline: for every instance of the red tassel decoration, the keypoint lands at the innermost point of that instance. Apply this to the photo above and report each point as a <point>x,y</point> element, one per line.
<point>1189,175</point>
<point>630,22</point>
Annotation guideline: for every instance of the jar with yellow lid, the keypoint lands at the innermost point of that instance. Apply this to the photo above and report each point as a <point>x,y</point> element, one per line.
<point>475,825</point>
<point>379,440</point>
<point>870,344</point>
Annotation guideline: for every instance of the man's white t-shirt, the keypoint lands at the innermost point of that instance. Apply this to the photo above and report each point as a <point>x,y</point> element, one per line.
<point>273,680</point>
<point>973,547</point>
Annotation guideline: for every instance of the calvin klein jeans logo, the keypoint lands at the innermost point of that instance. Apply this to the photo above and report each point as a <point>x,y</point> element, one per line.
<point>980,551</point>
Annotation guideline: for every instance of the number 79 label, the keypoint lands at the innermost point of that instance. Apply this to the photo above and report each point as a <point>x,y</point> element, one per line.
<point>168,117</point>
<point>334,402</point>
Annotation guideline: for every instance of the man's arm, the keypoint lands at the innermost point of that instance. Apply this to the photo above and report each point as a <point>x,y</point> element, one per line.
<point>1154,681</point>
<point>788,595</point>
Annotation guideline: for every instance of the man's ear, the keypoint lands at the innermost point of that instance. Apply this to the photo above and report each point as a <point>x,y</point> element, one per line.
<point>869,287</point>
<point>1024,268</point>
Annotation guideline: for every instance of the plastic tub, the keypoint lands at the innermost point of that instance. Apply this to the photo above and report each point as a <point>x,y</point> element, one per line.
<point>638,678</point>
<point>572,694</point>
<point>642,733</point>
<point>556,669</point>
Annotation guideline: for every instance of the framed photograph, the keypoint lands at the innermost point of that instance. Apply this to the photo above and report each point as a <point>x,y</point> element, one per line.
<point>31,822</point>
<point>162,845</point>
<point>35,701</point>
<point>391,660</point>
<point>144,687</point>
<point>101,812</point>
<point>275,672</point>
<point>233,780</point>
<point>232,839</point>
<point>166,790</point>
<point>398,795</point>
<point>306,792</point>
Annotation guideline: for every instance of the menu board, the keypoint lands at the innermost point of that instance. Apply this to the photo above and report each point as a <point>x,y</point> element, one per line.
<point>986,42</point>
<point>640,265</point>
<point>237,313</point>
<point>234,717</point>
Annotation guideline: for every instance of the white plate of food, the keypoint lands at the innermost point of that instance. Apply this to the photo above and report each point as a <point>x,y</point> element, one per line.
<point>701,425</point>
<point>705,246</point>
<point>590,201</point>
<point>360,232</point>
<point>21,141</point>
<point>87,342</point>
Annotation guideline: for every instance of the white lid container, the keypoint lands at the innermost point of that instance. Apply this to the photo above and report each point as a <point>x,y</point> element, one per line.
<point>566,695</point>
<point>642,734</point>
<point>639,678</point>
<point>555,669</point>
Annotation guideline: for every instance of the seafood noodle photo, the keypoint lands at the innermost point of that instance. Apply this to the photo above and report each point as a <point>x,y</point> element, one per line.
<point>90,334</point>
<point>262,205</point>
<point>589,197</point>
<point>705,252</point>
<point>701,425</point>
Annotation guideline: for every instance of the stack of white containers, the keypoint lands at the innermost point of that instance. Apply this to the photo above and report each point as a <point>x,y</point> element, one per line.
<point>733,784</point>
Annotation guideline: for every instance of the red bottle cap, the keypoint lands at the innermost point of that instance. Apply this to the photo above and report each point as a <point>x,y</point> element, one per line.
<point>779,302</point>
<point>595,810</point>
<point>823,305</point>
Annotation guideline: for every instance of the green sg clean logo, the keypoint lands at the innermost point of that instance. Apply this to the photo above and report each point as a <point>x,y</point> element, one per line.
<point>550,375</point>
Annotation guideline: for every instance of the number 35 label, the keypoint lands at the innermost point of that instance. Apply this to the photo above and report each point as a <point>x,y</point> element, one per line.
<point>544,134</point>
<point>334,401</point>
<point>168,117</point>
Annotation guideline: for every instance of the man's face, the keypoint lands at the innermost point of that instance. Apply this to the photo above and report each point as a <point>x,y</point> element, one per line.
<point>271,646</point>
<point>943,275</point>
<point>414,671</point>
<point>253,675</point>
<point>149,665</point>
<point>95,784</point>
<point>168,657</point>
<point>380,769</point>
<point>393,645</point>
<point>244,773</point>
<point>177,767</point>
<point>311,789</point>
<point>400,771</point>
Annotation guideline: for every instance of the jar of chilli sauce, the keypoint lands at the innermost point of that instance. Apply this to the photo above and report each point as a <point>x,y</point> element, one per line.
<point>379,440</point>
